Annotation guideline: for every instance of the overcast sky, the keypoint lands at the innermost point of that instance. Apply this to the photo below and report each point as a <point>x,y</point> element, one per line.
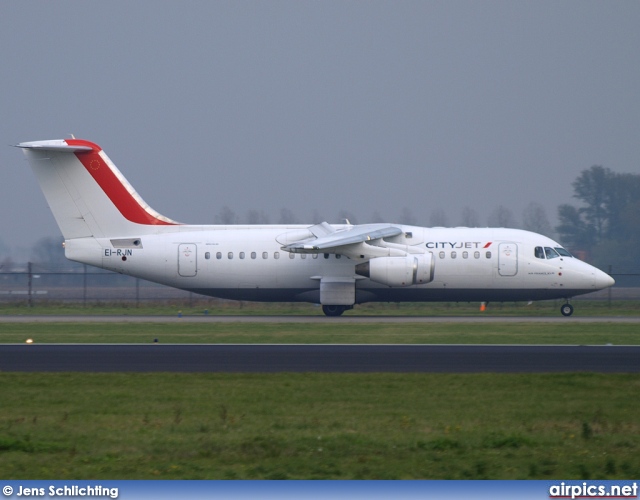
<point>318,107</point>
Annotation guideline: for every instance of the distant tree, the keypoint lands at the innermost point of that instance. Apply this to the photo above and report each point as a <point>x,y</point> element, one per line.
<point>226,216</point>
<point>606,224</point>
<point>470,218</point>
<point>316,217</point>
<point>630,221</point>
<point>502,217</point>
<point>621,206</point>
<point>593,188</point>
<point>287,217</point>
<point>7,264</point>
<point>438,218</point>
<point>48,254</point>
<point>407,217</point>
<point>257,217</point>
<point>534,218</point>
<point>377,218</point>
<point>607,199</point>
<point>573,230</point>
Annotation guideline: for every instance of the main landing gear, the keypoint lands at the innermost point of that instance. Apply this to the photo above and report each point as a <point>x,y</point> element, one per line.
<point>566,309</point>
<point>335,310</point>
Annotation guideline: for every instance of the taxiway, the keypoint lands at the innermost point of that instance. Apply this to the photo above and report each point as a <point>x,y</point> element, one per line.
<point>318,358</point>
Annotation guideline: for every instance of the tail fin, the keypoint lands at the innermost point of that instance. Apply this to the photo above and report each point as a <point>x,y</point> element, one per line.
<point>87,193</point>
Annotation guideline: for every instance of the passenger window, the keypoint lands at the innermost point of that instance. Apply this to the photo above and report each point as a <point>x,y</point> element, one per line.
<point>218,255</point>
<point>230,255</point>
<point>303,255</point>
<point>242,255</point>
<point>476,255</point>
<point>207,255</point>
<point>315,255</point>
<point>488,254</point>
<point>465,255</point>
<point>292,255</point>
<point>539,253</point>
<point>326,255</point>
<point>276,255</point>
<point>338,256</point>
<point>265,255</point>
<point>441,254</point>
<point>253,255</point>
<point>453,255</point>
<point>551,253</point>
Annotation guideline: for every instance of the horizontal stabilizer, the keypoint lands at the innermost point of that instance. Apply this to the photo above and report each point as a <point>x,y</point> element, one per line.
<point>58,145</point>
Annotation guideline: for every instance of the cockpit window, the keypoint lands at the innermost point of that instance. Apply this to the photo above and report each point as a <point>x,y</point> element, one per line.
<point>563,252</point>
<point>551,253</point>
<point>539,253</point>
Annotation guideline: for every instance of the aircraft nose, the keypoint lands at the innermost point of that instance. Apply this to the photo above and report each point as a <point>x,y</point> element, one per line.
<point>603,280</point>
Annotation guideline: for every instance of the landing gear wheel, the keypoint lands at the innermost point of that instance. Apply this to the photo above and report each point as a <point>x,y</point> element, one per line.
<point>566,309</point>
<point>333,310</point>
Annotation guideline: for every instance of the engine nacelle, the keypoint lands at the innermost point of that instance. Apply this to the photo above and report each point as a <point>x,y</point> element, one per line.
<point>416,269</point>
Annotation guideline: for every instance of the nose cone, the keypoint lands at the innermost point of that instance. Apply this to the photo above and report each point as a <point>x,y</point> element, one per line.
<point>603,280</point>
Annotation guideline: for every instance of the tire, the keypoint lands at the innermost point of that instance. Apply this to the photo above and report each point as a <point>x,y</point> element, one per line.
<point>333,311</point>
<point>566,309</point>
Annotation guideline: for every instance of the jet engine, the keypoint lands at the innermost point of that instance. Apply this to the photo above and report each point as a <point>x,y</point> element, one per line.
<point>416,269</point>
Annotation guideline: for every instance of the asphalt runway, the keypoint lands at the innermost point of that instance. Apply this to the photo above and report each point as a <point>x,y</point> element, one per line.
<point>317,358</point>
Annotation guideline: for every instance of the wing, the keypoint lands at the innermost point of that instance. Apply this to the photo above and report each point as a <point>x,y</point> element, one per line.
<point>358,241</point>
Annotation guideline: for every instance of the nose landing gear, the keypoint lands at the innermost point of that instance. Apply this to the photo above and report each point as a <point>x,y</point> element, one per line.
<point>566,309</point>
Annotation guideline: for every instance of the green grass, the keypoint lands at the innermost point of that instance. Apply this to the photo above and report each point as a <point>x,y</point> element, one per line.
<point>324,333</point>
<point>229,307</point>
<point>340,426</point>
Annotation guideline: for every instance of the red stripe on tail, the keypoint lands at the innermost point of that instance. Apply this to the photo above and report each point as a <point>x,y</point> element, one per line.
<point>111,185</point>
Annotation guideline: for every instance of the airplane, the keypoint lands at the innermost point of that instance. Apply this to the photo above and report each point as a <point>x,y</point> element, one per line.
<point>105,223</point>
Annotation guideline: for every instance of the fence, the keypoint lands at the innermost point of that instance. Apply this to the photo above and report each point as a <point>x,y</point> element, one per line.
<point>86,284</point>
<point>83,285</point>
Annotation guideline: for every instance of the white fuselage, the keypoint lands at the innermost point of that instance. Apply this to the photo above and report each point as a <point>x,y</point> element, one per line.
<point>249,263</point>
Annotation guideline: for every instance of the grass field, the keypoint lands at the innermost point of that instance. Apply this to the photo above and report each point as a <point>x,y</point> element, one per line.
<point>382,426</point>
<point>325,333</point>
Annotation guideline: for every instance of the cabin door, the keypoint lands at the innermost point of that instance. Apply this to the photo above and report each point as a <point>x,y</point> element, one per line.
<point>508,259</point>
<point>187,259</point>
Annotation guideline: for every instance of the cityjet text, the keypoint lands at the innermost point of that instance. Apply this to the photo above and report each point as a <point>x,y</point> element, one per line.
<point>456,244</point>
